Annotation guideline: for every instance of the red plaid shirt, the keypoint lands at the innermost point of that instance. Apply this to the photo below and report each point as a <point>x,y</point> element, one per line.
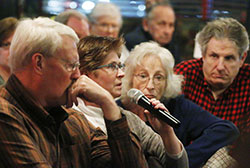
<point>233,104</point>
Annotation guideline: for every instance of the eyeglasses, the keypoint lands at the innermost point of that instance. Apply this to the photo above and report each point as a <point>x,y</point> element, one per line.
<point>113,66</point>
<point>106,26</point>
<point>70,67</point>
<point>5,45</point>
<point>157,79</point>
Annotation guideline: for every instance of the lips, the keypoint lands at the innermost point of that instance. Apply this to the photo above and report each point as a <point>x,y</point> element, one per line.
<point>150,96</point>
<point>119,84</point>
<point>218,76</point>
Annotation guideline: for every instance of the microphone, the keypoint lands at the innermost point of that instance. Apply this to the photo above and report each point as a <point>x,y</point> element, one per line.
<point>139,98</point>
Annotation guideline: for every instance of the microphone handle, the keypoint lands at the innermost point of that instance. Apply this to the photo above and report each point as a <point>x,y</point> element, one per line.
<point>160,114</point>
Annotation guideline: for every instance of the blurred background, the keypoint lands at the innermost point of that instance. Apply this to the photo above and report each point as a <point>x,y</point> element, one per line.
<point>191,14</point>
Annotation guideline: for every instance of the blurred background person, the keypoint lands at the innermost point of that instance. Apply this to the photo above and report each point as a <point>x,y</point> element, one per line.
<point>76,20</point>
<point>106,20</point>
<point>150,3</point>
<point>158,25</point>
<point>7,29</point>
<point>99,60</point>
<point>149,68</point>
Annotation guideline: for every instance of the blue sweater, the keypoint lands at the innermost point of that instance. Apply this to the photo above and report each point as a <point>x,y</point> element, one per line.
<point>201,133</point>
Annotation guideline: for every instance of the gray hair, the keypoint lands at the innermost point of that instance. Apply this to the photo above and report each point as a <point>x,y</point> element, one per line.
<point>40,35</point>
<point>64,16</point>
<point>150,3</point>
<point>104,8</point>
<point>173,81</point>
<point>224,28</point>
<point>150,10</point>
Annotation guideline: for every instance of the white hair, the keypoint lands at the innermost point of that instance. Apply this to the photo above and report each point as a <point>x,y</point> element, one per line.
<point>173,81</point>
<point>105,9</point>
<point>40,35</point>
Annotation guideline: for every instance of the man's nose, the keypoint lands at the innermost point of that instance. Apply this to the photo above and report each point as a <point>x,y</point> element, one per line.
<point>76,74</point>
<point>167,29</point>
<point>110,29</point>
<point>220,64</point>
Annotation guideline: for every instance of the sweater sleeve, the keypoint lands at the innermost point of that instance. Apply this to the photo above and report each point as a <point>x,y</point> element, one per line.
<point>125,149</point>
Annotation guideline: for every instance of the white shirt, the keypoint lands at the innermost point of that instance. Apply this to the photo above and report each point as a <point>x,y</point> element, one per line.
<point>197,48</point>
<point>93,114</point>
<point>124,54</point>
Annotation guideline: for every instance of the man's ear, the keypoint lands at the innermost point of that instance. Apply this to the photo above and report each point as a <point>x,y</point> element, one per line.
<point>145,24</point>
<point>37,60</point>
<point>243,58</point>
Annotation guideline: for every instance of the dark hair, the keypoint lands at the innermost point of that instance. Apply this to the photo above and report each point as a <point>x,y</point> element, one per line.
<point>94,49</point>
<point>8,26</point>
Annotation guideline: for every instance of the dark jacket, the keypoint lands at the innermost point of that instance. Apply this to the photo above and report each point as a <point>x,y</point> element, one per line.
<point>138,35</point>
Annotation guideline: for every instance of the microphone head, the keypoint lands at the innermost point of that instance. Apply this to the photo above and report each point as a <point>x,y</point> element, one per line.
<point>134,95</point>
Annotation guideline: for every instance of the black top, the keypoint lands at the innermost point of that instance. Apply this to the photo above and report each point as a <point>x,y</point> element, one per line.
<point>138,35</point>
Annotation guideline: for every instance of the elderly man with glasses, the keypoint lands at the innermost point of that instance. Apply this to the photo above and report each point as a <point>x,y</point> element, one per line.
<point>36,130</point>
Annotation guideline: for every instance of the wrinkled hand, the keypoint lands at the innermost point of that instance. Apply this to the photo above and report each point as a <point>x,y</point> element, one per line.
<point>170,140</point>
<point>87,89</point>
<point>160,126</point>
